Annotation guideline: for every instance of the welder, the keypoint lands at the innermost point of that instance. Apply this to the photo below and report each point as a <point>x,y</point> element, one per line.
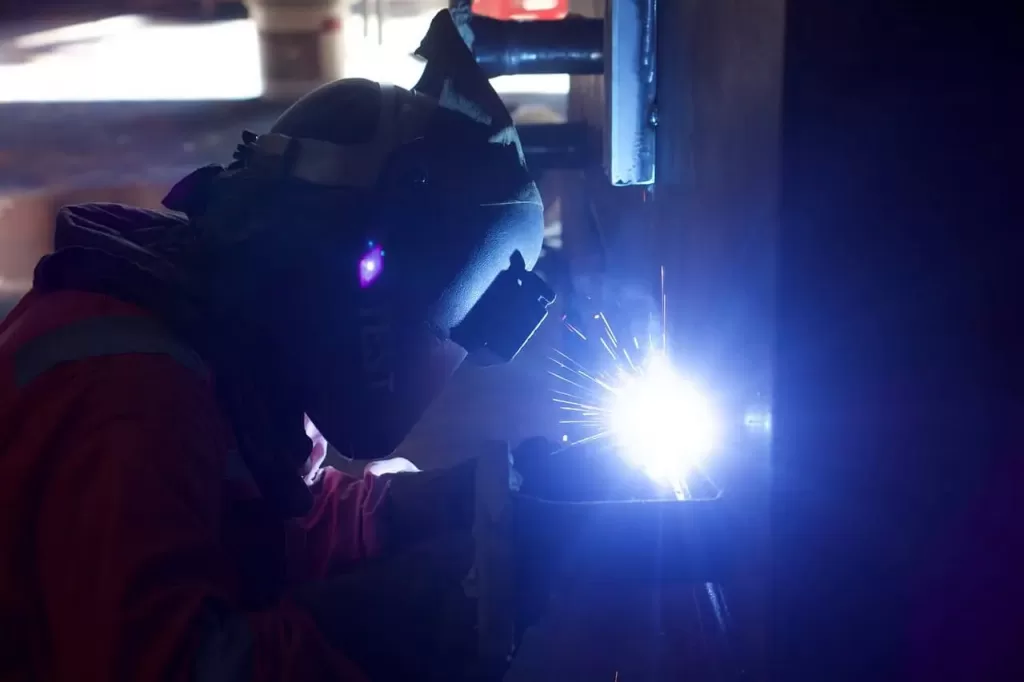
<point>160,505</point>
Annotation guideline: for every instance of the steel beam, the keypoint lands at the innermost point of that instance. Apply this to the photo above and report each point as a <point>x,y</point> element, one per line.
<point>572,46</point>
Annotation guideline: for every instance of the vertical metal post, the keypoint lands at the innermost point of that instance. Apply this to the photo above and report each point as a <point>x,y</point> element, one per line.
<point>630,91</point>
<point>380,21</point>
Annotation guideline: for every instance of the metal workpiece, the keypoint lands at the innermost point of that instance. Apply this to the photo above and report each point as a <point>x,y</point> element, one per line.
<point>633,578</point>
<point>572,46</point>
<point>549,146</point>
<point>635,541</point>
<point>631,115</point>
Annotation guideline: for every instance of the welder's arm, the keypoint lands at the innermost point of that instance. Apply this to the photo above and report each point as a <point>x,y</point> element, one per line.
<point>431,503</point>
<point>345,525</point>
<point>133,579</point>
<point>358,518</point>
<point>420,593</point>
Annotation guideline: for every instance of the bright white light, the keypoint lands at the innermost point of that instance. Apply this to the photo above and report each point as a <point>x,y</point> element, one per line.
<point>131,58</point>
<point>662,423</point>
<point>758,420</point>
<point>90,30</point>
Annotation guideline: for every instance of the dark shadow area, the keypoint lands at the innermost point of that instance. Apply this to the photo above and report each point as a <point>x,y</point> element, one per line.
<point>6,305</point>
<point>185,9</point>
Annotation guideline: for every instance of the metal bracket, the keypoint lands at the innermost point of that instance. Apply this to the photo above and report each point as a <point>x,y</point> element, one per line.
<point>631,116</point>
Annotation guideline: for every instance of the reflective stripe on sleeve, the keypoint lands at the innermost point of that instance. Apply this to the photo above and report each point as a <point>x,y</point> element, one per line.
<point>225,649</point>
<point>100,337</point>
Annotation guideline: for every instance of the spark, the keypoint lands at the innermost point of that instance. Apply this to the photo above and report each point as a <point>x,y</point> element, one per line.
<point>637,402</point>
<point>576,331</point>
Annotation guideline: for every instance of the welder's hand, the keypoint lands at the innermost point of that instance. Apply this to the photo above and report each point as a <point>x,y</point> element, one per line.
<point>430,503</point>
<point>392,465</point>
<point>317,455</point>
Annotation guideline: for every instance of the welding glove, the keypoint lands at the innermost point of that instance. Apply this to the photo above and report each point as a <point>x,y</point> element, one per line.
<point>444,597</point>
<point>391,465</point>
<point>425,504</point>
<point>311,469</point>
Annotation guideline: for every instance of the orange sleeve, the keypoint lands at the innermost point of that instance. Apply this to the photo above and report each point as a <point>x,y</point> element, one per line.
<point>134,581</point>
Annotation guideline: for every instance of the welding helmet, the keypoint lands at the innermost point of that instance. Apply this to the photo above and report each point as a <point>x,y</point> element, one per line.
<point>437,226</point>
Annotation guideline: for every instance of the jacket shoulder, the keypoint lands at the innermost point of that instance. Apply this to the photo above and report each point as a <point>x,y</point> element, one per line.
<point>56,341</point>
<point>41,313</point>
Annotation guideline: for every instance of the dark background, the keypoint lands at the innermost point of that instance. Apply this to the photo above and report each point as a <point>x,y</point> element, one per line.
<point>897,511</point>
